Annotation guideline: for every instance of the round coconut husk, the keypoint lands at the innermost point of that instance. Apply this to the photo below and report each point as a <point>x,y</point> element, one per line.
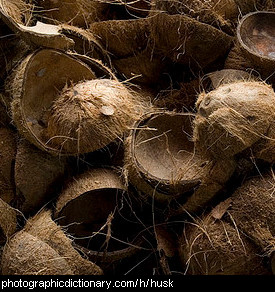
<point>91,114</point>
<point>25,254</point>
<point>214,247</point>
<point>7,158</point>
<point>255,34</point>
<point>252,210</point>
<point>37,174</point>
<point>8,221</point>
<point>17,15</point>
<point>189,41</point>
<point>44,74</point>
<point>233,117</point>
<point>160,159</point>
<point>73,12</point>
<point>92,210</point>
<point>43,227</point>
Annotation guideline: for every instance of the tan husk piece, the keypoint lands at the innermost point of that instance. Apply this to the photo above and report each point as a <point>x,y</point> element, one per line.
<point>233,117</point>
<point>74,12</point>
<point>252,210</point>
<point>44,250</point>
<point>7,157</point>
<point>255,35</point>
<point>42,75</point>
<point>91,114</point>
<point>8,221</point>
<point>36,175</point>
<point>189,41</point>
<point>214,247</point>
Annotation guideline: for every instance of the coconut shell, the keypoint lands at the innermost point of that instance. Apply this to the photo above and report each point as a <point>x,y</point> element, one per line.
<point>252,210</point>
<point>160,160</point>
<point>7,159</point>
<point>25,254</point>
<point>73,12</point>
<point>189,41</point>
<point>37,174</point>
<point>214,247</point>
<point>91,114</point>
<point>44,228</point>
<point>44,73</point>
<point>233,117</point>
<point>255,35</point>
<point>8,221</point>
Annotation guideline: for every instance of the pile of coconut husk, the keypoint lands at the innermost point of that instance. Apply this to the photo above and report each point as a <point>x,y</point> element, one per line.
<point>137,137</point>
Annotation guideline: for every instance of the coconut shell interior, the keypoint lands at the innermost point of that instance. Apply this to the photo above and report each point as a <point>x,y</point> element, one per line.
<point>163,149</point>
<point>45,75</point>
<point>256,33</point>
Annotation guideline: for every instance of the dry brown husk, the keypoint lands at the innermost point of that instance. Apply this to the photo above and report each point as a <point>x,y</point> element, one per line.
<point>8,221</point>
<point>91,209</point>
<point>7,157</point>
<point>37,175</point>
<point>45,250</point>
<point>162,163</point>
<point>210,246</point>
<point>252,210</point>
<point>90,115</point>
<point>73,12</point>
<point>222,14</point>
<point>189,41</point>
<point>233,118</point>
<point>255,35</point>
<point>45,73</point>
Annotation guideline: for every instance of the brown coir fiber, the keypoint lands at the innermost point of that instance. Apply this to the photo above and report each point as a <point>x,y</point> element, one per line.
<point>44,73</point>
<point>189,41</point>
<point>252,210</point>
<point>233,117</point>
<point>37,175</point>
<point>91,114</point>
<point>7,158</point>
<point>214,247</point>
<point>44,250</point>
<point>74,12</point>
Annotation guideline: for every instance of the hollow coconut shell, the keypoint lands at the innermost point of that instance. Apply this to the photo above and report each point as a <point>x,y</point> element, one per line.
<point>256,197</point>
<point>162,164</point>
<point>37,174</point>
<point>233,117</point>
<point>255,35</point>
<point>7,159</point>
<point>98,194</point>
<point>43,75</point>
<point>53,255</point>
<point>214,247</point>
<point>189,41</point>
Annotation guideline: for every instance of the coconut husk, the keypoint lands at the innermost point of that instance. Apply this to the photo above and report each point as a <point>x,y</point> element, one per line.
<point>37,174</point>
<point>7,157</point>
<point>5,118</point>
<point>8,221</point>
<point>79,13</point>
<point>99,194</point>
<point>18,16</point>
<point>255,35</point>
<point>214,247</point>
<point>44,73</point>
<point>233,117</point>
<point>43,227</point>
<point>189,41</point>
<point>252,210</point>
<point>160,160</point>
<point>92,114</point>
